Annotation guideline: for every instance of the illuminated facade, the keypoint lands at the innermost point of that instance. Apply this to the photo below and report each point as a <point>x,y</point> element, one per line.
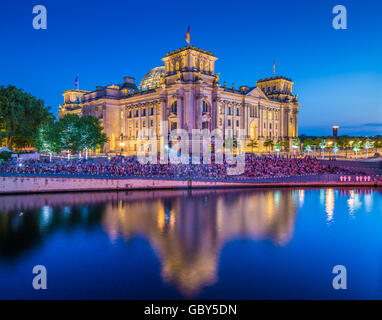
<point>186,92</point>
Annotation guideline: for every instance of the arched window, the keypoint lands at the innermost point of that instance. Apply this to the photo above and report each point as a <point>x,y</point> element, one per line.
<point>201,65</point>
<point>204,107</point>
<point>174,107</point>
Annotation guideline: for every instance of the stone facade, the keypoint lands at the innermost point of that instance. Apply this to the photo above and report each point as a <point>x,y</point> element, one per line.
<point>188,95</point>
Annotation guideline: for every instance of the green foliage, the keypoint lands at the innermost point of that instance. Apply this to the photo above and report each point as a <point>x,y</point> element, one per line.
<point>5,155</point>
<point>253,144</point>
<point>357,145</point>
<point>278,146</point>
<point>322,144</point>
<point>368,144</point>
<point>72,133</point>
<point>269,143</point>
<point>21,114</point>
<point>295,143</point>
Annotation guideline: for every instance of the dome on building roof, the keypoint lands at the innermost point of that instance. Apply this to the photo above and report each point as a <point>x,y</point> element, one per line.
<point>152,79</point>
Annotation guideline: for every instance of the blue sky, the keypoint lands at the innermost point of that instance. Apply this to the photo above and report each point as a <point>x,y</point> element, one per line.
<point>338,73</point>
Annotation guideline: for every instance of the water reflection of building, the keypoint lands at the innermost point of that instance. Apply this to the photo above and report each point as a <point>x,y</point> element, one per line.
<point>188,232</point>
<point>186,229</point>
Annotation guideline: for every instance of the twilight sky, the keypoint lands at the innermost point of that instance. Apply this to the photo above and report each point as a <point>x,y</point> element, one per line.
<point>338,73</point>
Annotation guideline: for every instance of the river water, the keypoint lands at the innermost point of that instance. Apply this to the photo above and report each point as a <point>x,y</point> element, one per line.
<point>200,244</point>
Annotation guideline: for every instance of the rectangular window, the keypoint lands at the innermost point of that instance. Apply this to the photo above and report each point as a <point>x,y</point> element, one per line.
<point>220,122</point>
<point>237,111</point>
<point>229,123</point>
<point>237,123</point>
<point>121,115</point>
<point>152,111</point>
<point>265,115</point>
<point>152,123</point>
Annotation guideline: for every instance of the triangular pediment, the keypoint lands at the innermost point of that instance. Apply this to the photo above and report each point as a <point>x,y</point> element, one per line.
<point>256,93</point>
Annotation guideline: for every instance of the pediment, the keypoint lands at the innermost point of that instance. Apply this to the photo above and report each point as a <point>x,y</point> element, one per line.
<point>256,93</point>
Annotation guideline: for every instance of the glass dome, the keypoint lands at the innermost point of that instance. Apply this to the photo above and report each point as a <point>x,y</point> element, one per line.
<point>152,79</point>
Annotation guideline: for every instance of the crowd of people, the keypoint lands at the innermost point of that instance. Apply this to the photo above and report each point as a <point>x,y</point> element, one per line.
<point>255,167</point>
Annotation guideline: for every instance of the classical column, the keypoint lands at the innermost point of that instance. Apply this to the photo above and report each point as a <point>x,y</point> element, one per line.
<point>180,112</point>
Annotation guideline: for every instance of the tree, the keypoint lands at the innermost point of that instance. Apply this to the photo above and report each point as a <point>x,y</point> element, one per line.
<point>335,150</point>
<point>357,147</point>
<point>269,143</point>
<point>295,145</point>
<point>69,134</point>
<point>308,149</point>
<point>21,114</point>
<point>322,145</point>
<point>90,134</point>
<point>278,147</point>
<point>367,145</point>
<point>46,140</point>
<point>253,144</point>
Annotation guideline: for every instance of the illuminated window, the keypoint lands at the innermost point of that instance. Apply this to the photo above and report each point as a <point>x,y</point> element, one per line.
<point>276,115</point>
<point>265,115</point>
<point>270,115</point>
<point>177,66</point>
<point>201,66</point>
<point>171,67</point>
<point>220,110</point>
<point>207,67</point>
<point>220,121</point>
<point>121,115</point>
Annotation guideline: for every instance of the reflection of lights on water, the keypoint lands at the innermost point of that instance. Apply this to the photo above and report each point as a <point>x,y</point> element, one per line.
<point>368,202</point>
<point>329,204</point>
<point>46,216</point>
<point>84,212</point>
<point>66,211</point>
<point>322,197</point>
<point>301,197</point>
<point>354,202</point>
<point>277,197</point>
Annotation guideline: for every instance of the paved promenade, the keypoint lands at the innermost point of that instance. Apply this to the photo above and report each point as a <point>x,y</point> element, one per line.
<point>29,183</point>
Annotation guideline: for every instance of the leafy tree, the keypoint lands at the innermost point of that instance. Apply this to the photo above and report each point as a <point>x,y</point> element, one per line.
<point>90,134</point>
<point>367,145</point>
<point>69,134</point>
<point>253,144</point>
<point>47,139</point>
<point>269,143</point>
<point>21,114</point>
